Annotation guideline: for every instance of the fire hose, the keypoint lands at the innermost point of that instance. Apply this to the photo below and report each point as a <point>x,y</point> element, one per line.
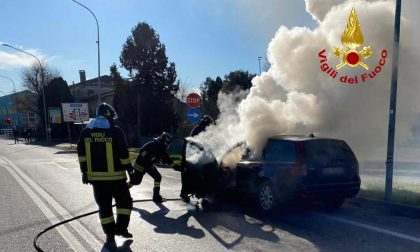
<point>78,217</point>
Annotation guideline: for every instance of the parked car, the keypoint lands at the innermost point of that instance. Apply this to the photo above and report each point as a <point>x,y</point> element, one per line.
<point>291,168</point>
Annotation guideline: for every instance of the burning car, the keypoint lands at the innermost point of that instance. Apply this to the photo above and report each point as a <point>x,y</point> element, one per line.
<point>290,168</point>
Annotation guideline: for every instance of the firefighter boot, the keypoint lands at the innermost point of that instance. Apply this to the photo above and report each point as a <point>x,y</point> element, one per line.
<point>157,198</point>
<point>110,244</point>
<point>121,227</point>
<point>124,233</point>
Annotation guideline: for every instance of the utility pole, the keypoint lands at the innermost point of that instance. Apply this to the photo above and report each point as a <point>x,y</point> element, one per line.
<point>138,118</point>
<point>393,104</point>
<point>99,54</point>
<point>259,63</point>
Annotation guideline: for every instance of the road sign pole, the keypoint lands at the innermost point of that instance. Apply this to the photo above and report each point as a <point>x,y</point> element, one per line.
<point>68,128</point>
<point>393,104</point>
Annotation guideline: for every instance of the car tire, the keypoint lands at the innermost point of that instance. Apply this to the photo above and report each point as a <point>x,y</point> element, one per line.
<point>333,204</point>
<point>266,197</point>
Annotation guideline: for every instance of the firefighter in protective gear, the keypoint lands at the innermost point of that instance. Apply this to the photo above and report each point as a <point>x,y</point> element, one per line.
<point>104,160</point>
<point>150,154</point>
<point>204,122</point>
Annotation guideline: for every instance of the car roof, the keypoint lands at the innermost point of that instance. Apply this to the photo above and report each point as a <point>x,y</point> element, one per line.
<point>299,138</point>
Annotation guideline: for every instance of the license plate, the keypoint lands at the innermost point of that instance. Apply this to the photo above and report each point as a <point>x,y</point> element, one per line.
<point>333,171</point>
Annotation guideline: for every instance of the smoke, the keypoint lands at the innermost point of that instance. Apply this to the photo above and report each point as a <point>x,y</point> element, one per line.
<point>296,97</point>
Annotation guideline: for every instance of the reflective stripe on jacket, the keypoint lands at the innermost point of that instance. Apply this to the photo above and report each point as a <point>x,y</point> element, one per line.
<point>103,154</point>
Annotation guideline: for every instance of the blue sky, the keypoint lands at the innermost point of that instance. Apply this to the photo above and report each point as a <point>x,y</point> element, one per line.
<point>203,37</point>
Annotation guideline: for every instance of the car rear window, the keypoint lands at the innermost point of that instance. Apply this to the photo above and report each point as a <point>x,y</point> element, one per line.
<point>279,150</point>
<point>323,151</point>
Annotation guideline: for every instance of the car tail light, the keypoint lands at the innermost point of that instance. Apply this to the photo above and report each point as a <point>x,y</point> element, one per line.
<point>299,170</point>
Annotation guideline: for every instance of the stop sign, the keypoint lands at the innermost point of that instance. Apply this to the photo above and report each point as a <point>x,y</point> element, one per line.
<point>193,100</point>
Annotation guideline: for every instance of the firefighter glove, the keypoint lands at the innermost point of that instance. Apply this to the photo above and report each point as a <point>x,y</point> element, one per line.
<point>135,177</point>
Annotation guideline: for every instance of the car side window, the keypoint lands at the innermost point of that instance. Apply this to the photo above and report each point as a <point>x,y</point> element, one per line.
<point>280,151</point>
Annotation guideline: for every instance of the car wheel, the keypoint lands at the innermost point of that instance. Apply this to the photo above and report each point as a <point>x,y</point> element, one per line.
<point>333,204</point>
<point>266,197</point>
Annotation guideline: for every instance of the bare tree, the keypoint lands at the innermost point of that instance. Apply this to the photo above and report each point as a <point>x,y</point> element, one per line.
<point>32,76</point>
<point>27,103</point>
<point>184,89</point>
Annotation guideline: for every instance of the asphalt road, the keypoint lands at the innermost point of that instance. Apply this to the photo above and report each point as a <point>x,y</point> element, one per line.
<point>42,185</point>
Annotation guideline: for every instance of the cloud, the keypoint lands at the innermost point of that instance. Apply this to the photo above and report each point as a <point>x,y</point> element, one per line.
<point>17,59</point>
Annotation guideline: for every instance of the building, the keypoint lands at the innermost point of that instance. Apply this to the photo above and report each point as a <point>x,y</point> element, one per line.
<point>21,108</point>
<point>87,91</point>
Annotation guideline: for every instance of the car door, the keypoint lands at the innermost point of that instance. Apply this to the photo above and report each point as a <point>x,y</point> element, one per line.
<point>202,169</point>
<point>280,157</point>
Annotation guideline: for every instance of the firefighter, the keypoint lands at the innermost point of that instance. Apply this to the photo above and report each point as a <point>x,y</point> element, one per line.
<point>204,122</point>
<point>104,160</point>
<point>150,154</point>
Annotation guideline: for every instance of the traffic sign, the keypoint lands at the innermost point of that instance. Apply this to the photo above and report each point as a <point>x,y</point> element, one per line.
<point>193,100</point>
<point>75,112</point>
<point>193,115</point>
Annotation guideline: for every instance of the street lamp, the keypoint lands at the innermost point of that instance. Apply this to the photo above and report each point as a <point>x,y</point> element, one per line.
<point>14,91</point>
<point>43,87</point>
<point>259,63</point>
<point>393,104</point>
<point>99,55</point>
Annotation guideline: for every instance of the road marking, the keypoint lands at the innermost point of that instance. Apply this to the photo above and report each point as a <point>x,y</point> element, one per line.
<point>59,166</point>
<point>50,163</point>
<point>62,230</point>
<point>370,227</point>
<point>83,232</point>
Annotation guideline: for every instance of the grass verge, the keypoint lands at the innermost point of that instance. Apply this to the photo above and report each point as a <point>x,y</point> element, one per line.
<point>402,192</point>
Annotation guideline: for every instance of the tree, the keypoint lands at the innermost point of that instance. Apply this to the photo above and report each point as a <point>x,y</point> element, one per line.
<point>209,94</point>
<point>233,82</point>
<point>184,89</point>
<point>32,76</point>
<point>237,80</point>
<point>56,92</point>
<point>153,85</point>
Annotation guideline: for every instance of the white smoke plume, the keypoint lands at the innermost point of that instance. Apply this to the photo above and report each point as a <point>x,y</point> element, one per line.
<point>296,97</point>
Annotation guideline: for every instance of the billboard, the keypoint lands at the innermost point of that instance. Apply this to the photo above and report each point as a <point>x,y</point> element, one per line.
<point>75,112</point>
<point>54,115</point>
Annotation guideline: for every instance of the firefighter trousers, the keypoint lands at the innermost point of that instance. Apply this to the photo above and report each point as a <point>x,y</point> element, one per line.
<point>104,191</point>
<point>155,174</point>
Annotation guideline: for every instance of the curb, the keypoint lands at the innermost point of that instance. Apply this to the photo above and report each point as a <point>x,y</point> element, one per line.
<point>390,207</point>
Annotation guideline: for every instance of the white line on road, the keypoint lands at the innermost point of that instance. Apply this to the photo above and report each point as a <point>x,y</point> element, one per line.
<point>370,227</point>
<point>84,233</point>
<point>65,233</point>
